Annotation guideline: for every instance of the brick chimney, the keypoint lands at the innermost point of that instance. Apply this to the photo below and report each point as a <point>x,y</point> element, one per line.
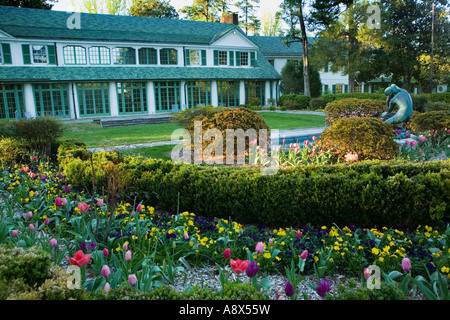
<point>231,18</point>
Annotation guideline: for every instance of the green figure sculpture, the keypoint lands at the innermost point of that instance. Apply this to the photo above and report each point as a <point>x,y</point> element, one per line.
<point>400,98</point>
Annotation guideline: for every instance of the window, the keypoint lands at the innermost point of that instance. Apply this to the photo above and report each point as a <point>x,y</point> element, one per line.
<point>93,99</point>
<point>223,58</point>
<point>74,55</point>
<point>244,58</point>
<point>52,99</point>
<point>167,96</point>
<point>228,93</point>
<point>39,53</point>
<point>124,55</point>
<point>338,88</point>
<point>148,56</point>
<point>194,56</point>
<point>11,101</point>
<point>132,97</point>
<point>168,56</point>
<point>294,62</point>
<point>255,90</point>
<point>198,93</point>
<point>99,55</point>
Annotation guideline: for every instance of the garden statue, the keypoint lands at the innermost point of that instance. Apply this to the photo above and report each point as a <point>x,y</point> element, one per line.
<point>400,98</point>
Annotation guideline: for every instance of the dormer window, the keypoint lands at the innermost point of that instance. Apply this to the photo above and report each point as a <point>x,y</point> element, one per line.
<point>99,56</point>
<point>39,53</point>
<point>124,55</point>
<point>74,55</point>
<point>168,56</point>
<point>244,58</point>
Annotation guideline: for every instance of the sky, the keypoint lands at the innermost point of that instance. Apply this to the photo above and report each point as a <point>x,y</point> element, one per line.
<point>264,5</point>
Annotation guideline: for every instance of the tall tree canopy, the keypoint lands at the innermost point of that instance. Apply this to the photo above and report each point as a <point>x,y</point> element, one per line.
<point>153,8</point>
<point>271,24</point>
<point>205,10</point>
<point>35,4</point>
<point>249,21</point>
<point>113,7</point>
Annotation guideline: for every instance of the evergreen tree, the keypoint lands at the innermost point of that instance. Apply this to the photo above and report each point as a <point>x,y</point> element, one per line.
<point>249,21</point>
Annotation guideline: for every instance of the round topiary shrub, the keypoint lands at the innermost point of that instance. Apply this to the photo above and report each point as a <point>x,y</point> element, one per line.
<point>368,138</point>
<point>428,121</point>
<point>242,120</point>
<point>353,107</point>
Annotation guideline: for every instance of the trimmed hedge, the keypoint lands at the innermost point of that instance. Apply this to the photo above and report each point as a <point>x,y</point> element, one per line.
<point>353,107</point>
<point>375,194</point>
<point>294,101</point>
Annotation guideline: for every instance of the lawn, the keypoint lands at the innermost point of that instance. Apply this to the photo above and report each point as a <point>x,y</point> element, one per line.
<point>96,136</point>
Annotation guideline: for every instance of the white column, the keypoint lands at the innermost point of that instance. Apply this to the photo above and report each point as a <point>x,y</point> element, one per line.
<point>113,103</point>
<point>74,104</point>
<point>267,93</point>
<point>274,91</point>
<point>242,92</point>
<point>183,102</point>
<point>30,105</point>
<point>151,97</point>
<point>214,94</point>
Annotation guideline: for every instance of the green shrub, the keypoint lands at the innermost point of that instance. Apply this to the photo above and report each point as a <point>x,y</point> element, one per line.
<point>239,118</point>
<point>186,117</point>
<point>433,120</point>
<point>440,97</point>
<point>32,265</point>
<point>420,102</point>
<point>437,106</point>
<point>369,138</point>
<point>315,104</point>
<point>393,193</point>
<point>39,133</point>
<point>294,101</point>
<point>327,98</point>
<point>254,102</point>
<point>13,151</point>
<point>353,107</point>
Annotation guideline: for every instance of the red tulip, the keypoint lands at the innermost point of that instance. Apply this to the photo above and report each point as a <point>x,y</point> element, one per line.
<point>58,202</point>
<point>83,207</point>
<point>304,254</point>
<point>227,253</point>
<point>239,265</point>
<point>80,259</point>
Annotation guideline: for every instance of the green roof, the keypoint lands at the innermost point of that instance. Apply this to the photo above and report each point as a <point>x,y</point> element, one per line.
<point>274,46</point>
<point>36,74</point>
<point>49,24</point>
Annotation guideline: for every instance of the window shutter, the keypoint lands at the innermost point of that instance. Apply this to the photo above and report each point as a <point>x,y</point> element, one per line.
<point>7,58</point>
<point>346,88</point>
<point>51,54</point>
<point>187,57</point>
<point>326,68</point>
<point>231,53</point>
<point>216,57</point>
<point>238,59</point>
<point>334,89</point>
<point>253,59</point>
<point>203,57</point>
<point>326,88</point>
<point>26,54</point>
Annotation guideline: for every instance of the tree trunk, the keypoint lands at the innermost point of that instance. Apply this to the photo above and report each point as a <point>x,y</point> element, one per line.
<point>307,89</point>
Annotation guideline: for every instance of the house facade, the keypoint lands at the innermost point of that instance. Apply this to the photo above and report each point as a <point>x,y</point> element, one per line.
<point>77,65</point>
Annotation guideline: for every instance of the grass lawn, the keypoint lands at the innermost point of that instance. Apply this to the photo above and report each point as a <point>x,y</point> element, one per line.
<point>96,136</point>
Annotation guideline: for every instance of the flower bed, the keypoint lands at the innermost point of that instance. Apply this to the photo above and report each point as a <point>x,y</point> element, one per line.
<point>132,246</point>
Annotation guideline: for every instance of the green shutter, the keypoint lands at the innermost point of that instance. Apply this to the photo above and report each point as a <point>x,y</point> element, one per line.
<point>187,57</point>
<point>326,68</point>
<point>203,57</point>
<point>253,59</point>
<point>346,88</point>
<point>26,54</point>
<point>51,54</point>
<point>216,57</point>
<point>6,49</point>
<point>334,89</point>
<point>326,89</point>
<point>231,58</point>
<point>238,59</point>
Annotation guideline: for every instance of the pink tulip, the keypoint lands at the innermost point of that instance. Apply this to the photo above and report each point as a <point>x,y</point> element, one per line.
<point>105,252</point>
<point>31,227</point>
<point>14,233</point>
<point>31,174</point>
<point>128,255</point>
<point>406,264</point>
<point>412,143</point>
<point>270,241</point>
<point>83,207</point>
<point>125,246</point>
<point>227,253</point>
<point>299,234</point>
<point>100,202</point>
<point>34,158</point>
<point>64,201</point>
<point>139,207</point>
<point>314,138</point>
<point>367,272</point>
<point>105,271</point>
<point>53,242</point>
<point>284,141</point>
<point>259,247</point>
<point>58,202</point>
<point>47,222</point>
<point>304,254</point>
<point>422,138</point>
<point>29,214</point>
<point>132,279</point>
<point>186,236</point>
<point>106,287</point>
<point>306,143</point>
